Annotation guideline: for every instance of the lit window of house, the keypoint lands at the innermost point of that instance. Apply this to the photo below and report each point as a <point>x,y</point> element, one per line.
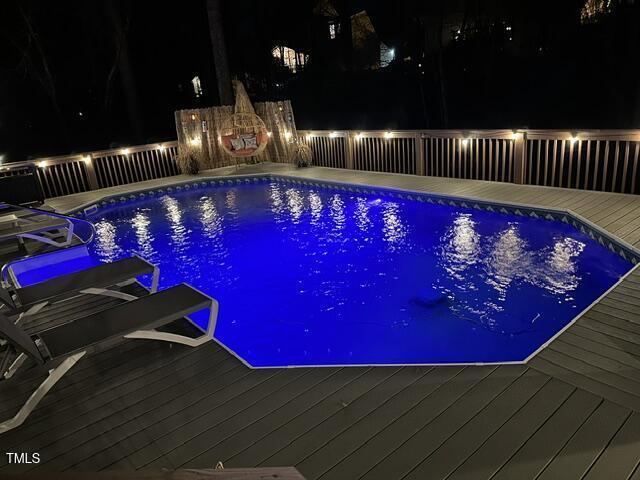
<point>197,87</point>
<point>334,30</point>
<point>387,55</point>
<point>289,58</point>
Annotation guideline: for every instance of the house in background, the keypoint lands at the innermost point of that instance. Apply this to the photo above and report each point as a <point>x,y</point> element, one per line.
<point>350,37</point>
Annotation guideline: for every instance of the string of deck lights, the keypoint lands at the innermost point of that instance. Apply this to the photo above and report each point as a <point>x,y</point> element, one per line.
<point>125,152</point>
<point>516,135</point>
<point>196,142</point>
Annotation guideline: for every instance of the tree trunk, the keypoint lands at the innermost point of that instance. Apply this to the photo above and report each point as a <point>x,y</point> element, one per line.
<point>221,63</point>
<point>46,77</point>
<point>441,72</point>
<point>126,73</point>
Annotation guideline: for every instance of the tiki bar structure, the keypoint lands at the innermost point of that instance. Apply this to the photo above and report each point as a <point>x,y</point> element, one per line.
<point>381,286</point>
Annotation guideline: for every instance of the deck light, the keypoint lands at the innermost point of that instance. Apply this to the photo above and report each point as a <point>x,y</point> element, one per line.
<point>359,136</point>
<point>86,159</point>
<point>388,135</point>
<point>269,134</point>
<point>194,142</point>
<point>573,139</point>
<point>308,136</point>
<point>193,117</point>
<point>333,134</point>
<point>42,164</point>
<point>287,134</point>
<point>161,147</point>
<point>125,151</point>
<point>465,141</point>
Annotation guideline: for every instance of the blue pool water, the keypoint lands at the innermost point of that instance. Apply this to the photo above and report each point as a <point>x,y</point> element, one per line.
<point>317,276</point>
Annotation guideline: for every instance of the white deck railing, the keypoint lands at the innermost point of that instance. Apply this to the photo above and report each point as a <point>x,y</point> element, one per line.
<point>605,160</point>
<point>70,174</point>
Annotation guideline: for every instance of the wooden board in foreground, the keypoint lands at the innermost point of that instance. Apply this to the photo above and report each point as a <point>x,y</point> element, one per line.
<point>266,473</point>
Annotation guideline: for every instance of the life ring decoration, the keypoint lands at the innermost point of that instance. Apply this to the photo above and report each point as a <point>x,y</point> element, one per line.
<point>244,135</point>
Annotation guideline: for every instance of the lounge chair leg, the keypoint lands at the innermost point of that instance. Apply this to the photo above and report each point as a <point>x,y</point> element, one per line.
<point>109,293</point>
<point>17,363</point>
<point>70,230</point>
<point>32,402</point>
<point>174,338</point>
<point>156,279</point>
<point>170,337</point>
<point>45,237</point>
<point>32,311</point>
<point>48,241</point>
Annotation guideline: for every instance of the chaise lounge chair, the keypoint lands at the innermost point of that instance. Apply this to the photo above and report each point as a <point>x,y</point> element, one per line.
<point>35,227</point>
<point>98,280</point>
<point>59,348</point>
<point>106,280</point>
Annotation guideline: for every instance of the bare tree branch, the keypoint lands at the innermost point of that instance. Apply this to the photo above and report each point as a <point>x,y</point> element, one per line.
<point>120,42</point>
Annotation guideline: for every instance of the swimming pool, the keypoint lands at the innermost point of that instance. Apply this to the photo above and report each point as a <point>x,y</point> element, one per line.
<point>324,274</point>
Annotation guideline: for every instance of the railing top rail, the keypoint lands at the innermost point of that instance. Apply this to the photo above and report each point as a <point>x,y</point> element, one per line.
<point>134,149</point>
<point>54,160</point>
<point>15,166</point>
<point>409,133</point>
<point>631,135</point>
<point>533,134</point>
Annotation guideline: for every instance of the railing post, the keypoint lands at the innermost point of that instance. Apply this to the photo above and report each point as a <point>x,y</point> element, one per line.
<point>348,151</point>
<point>520,158</point>
<point>91,172</point>
<point>419,155</point>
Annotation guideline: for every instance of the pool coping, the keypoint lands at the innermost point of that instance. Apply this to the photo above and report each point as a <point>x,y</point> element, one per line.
<point>594,231</point>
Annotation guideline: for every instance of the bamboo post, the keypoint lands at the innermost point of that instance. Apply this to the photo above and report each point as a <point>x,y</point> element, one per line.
<point>520,158</point>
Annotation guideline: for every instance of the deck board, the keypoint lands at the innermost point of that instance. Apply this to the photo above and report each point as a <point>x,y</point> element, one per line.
<point>502,383</point>
<point>298,409</point>
<point>532,457</point>
<point>588,443</point>
<point>475,434</point>
<point>346,441</point>
<point>620,456</point>
<point>383,440</point>
<point>573,411</point>
<point>495,451</point>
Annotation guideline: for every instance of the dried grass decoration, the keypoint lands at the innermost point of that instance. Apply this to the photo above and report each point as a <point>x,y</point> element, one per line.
<point>190,157</point>
<point>301,154</point>
<point>243,133</point>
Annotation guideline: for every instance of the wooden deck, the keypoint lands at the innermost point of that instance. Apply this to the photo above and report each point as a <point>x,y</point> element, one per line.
<point>572,412</point>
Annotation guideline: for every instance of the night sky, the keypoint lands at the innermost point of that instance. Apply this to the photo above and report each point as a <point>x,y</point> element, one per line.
<point>78,75</point>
